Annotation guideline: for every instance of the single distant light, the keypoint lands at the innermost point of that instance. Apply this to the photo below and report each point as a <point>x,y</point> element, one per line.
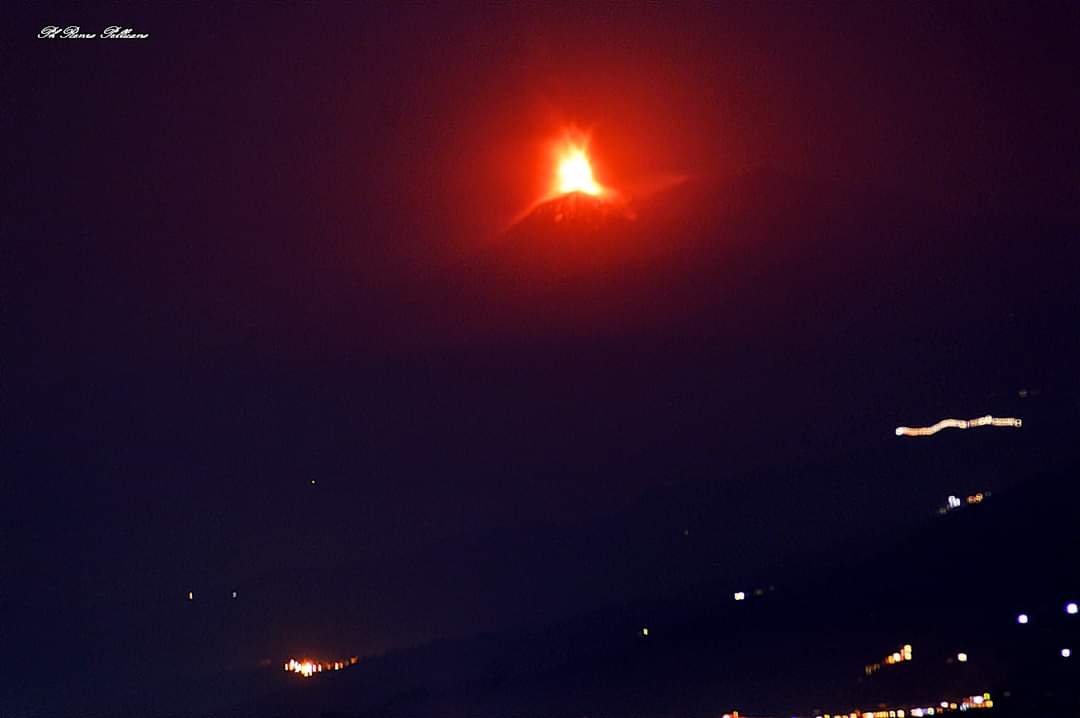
<point>1022,618</point>
<point>234,594</point>
<point>645,632</point>
<point>313,482</point>
<point>1066,652</point>
<point>191,595</point>
<point>962,657</point>
<point>977,700</point>
<point>1070,608</point>
<point>740,595</point>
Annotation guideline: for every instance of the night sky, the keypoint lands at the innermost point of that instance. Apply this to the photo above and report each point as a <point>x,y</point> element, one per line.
<point>267,332</point>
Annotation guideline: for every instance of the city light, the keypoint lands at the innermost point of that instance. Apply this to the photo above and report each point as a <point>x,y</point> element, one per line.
<point>740,595</point>
<point>645,632</point>
<point>308,668</point>
<point>962,657</point>
<point>973,702</point>
<point>1070,608</point>
<point>1066,652</point>
<point>957,424</point>
<point>191,595</point>
<point>901,656</point>
<point>1022,618</point>
<point>954,503</point>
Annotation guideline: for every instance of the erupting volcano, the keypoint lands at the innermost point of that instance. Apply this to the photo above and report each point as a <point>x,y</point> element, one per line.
<point>576,198</point>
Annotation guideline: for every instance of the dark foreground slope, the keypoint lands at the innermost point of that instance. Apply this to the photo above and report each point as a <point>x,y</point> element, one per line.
<point>787,302</point>
<point>956,585</point>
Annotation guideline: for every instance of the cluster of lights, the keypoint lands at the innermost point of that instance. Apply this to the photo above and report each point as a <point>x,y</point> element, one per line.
<point>958,424</point>
<point>901,656</point>
<point>307,668</point>
<point>758,593</point>
<point>955,502</point>
<point>965,704</point>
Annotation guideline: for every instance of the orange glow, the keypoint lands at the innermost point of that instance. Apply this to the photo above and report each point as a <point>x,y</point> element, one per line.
<point>307,668</point>
<point>958,424</point>
<point>573,168</point>
<point>575,174</point>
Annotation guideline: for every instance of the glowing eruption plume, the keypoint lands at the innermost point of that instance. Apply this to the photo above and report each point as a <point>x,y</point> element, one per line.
<point>957,424</point>
<point>575,174</point>
<point>573,168</point>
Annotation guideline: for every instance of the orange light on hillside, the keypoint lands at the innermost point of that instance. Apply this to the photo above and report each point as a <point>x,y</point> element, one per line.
<point>307,668</point>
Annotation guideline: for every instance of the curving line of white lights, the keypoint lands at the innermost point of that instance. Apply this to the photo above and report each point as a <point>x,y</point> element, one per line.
<point>958,424</point>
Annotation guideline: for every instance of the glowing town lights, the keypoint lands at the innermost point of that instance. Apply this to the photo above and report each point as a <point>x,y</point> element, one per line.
<point>1071,609</point>
<point>1066,652</point>
<point>962,657</point>
<point>955,502</point>
<point>973,702</point>
<point>958,424</point>
<point>901,656</point>
<point>1022,619</point>
<point>740,595</point>
<point>307,668</point>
